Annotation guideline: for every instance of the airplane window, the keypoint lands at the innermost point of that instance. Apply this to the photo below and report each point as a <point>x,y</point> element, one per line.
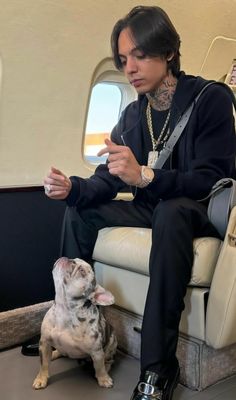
<point>103,114</point>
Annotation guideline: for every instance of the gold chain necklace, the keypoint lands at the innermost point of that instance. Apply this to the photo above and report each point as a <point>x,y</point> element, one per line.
<point>156,142</point>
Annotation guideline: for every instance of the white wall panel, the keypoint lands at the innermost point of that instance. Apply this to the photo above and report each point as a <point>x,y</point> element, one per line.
<point>49,50</point>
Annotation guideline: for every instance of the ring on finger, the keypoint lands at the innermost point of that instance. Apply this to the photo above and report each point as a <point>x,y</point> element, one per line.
<point>47,189</point>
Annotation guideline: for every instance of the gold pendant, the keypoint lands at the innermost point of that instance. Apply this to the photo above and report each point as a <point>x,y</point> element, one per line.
<point>152,158</point>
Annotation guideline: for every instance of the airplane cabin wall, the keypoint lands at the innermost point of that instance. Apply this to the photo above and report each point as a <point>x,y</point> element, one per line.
<point>49,51</point>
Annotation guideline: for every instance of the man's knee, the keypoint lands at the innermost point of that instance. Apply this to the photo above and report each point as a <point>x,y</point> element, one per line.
<point>73,214</point>
<point>168,210</point>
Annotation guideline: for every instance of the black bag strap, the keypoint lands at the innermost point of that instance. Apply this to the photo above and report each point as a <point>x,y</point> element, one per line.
<point>167,150</point>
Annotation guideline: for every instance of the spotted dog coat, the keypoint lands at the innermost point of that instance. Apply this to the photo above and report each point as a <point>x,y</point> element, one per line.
<point>74,325</point>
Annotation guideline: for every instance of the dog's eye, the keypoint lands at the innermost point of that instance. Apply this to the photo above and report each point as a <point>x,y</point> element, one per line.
<point>82,270</point>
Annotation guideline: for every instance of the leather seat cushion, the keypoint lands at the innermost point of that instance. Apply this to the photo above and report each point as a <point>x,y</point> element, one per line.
<point>129,248</point>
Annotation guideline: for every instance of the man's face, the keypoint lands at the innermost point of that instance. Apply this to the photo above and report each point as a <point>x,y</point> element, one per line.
<point>145,73</point>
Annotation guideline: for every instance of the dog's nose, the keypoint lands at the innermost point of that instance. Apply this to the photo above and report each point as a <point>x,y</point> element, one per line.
<point>62,262</point>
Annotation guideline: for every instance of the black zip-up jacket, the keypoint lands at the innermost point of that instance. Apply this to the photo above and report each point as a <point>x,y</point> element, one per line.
<point>204,153</point>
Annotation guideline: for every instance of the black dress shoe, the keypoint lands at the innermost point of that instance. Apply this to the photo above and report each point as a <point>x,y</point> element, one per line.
<point>152,387</point>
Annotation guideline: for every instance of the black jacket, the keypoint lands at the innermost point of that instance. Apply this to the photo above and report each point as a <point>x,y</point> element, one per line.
<point>204,153</point>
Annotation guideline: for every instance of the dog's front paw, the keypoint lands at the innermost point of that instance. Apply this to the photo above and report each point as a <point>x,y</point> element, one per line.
<point>105,381</point>
<point>40,382</point>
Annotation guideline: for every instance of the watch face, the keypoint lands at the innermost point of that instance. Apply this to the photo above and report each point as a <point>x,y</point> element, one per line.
<point>148,174</point>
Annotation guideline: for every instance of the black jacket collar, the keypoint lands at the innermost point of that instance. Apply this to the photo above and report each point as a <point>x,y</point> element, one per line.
<point>187,88</point>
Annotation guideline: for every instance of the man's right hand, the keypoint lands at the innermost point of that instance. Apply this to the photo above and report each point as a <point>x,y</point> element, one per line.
<point>57,185</point>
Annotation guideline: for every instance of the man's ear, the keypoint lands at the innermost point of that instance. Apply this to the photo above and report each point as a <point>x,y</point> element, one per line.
<point>102,297</point>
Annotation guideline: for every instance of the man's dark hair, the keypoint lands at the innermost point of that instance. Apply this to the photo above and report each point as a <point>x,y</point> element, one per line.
<point>153,34</point>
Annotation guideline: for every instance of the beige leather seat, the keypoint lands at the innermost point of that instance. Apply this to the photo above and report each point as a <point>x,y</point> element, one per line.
<point>121,262</point>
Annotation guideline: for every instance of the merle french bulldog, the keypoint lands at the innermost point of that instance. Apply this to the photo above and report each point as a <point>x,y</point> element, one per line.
<point>74,325</point>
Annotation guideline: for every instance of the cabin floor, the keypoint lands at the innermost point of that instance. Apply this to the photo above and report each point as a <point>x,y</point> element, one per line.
<point>72,381</point>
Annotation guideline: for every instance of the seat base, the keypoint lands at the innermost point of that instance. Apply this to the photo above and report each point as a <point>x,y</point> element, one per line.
<point>200,365</point>
<point>21,324</point>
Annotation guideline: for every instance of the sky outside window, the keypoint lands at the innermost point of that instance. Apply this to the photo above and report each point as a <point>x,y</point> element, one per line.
<point>103,115</point>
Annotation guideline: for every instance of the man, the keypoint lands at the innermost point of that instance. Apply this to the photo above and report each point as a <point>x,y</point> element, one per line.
<point>145,47</point>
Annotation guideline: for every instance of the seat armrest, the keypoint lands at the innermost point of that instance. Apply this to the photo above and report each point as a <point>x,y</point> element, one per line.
<point>221,315</point>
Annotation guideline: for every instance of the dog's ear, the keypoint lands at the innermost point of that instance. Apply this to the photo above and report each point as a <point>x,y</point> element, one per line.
<point>102,297</point>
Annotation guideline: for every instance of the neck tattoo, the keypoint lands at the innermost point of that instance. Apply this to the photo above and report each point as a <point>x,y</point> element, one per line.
<point>161,98</point>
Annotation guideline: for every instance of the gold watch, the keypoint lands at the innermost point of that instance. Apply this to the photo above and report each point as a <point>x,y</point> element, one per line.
<point>147,175</point>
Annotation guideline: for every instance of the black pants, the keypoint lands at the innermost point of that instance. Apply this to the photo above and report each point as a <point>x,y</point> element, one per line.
<point>175,223</point>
